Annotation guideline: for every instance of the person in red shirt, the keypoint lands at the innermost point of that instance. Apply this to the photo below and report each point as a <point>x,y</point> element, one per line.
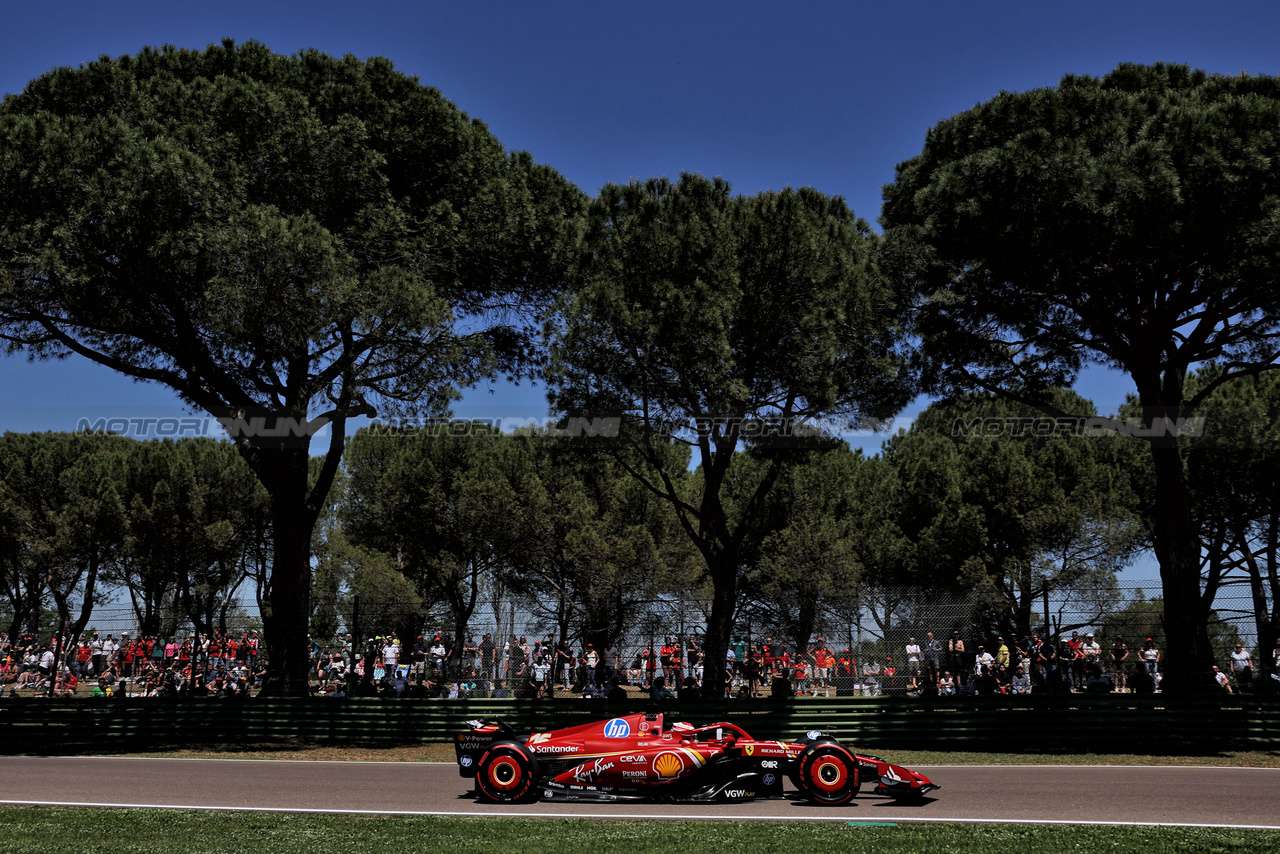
<point>800,676</point>
<point>650,667</point>
<point>846,672</point>
<point>823,663</point>
<point>666,654</point>
<point>1075,660</point>
<point>141,655</point>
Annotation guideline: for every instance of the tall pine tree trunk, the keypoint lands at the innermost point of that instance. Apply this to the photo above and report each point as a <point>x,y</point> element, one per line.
<point>1188,658</point>
<point>284,473</point>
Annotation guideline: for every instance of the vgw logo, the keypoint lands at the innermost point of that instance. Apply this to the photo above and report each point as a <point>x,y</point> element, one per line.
<point>617,728</point>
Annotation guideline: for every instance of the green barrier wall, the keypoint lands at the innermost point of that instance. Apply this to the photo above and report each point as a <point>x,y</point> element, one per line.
<point>1077,723</point>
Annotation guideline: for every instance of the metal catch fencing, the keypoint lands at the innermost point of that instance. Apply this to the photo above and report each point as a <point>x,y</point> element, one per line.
<point>872,629</point>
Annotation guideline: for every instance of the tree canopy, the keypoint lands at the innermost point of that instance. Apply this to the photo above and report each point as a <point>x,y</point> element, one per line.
<point>992,500</point>
<point>284,241</point>
<point>722,320</point>
<point>1129,220</point>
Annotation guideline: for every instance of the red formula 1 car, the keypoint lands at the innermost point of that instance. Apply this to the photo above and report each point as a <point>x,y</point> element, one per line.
<point>635,758</point>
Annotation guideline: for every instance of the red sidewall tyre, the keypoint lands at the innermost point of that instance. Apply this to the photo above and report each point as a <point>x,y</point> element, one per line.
<point>830,774</point>
<point>506,773</point>
<point>794,772</point>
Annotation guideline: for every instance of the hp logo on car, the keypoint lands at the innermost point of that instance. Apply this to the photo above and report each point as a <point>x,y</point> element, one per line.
<point>617,728</point>
<point>464,761</point>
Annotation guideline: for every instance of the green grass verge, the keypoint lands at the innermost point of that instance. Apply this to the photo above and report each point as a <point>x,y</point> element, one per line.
<point>47,829</point>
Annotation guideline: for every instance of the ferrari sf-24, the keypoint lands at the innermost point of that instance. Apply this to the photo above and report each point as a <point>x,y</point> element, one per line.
<point>636,758</point>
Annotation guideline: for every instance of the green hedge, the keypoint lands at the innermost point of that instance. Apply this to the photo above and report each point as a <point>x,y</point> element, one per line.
<point>1080,722</point>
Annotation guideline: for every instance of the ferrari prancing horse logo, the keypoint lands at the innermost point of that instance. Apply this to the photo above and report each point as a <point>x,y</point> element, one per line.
<point>749,749</point>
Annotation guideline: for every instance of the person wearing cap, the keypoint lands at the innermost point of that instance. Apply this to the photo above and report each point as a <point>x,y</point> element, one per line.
<point>1092,650</point>
<point>1073,657</point>
<point>1002,654</point>
<point>439,658</point>
<point>846,675</point>
<point>110,649</point>
<point>800,675</point>
<point>823,662</point>
<point>1150,657</point>
<point>95,655</point>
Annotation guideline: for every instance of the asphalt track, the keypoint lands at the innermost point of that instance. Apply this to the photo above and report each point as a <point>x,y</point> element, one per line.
<point>1175,796</point>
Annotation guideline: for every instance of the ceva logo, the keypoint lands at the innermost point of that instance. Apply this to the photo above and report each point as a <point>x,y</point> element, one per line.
<point>617,728</point>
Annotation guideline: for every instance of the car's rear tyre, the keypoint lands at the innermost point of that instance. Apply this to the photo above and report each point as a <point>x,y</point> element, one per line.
<point>506,773</point>
<point>829,774</point>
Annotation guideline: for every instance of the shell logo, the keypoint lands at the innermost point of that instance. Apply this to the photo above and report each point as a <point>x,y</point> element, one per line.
<point>667,765</point>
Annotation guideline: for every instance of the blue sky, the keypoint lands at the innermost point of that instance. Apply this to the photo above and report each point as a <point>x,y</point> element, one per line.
<point>767,95</point>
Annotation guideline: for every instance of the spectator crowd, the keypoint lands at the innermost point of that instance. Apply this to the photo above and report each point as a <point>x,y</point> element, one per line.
<point>219,664</point>
<point>231,665</point>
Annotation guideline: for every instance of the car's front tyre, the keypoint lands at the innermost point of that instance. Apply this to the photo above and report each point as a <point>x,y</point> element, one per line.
<point>506,773</point>
<point>829,774</point>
